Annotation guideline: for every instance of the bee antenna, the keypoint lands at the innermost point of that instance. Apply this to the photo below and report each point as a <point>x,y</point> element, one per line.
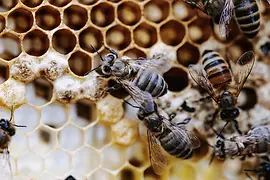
<point>212,158</point>
<point>97,52</point>
<point>92,70</point>
<point>18,125</point>
<point>111,50</point>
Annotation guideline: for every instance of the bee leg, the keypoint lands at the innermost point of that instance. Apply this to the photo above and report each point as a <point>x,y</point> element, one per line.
<point>131,104</point>
<point>237,127</point>
<point>113,88</point>
<point>220,133</point>
<point>184,122</point>
<point>12,112</point>
<point>248,174</point>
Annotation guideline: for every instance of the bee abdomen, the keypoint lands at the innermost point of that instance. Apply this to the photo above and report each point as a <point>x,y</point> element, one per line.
<point>217,70</point>
<point>248,17</point>
<point>152,83</point>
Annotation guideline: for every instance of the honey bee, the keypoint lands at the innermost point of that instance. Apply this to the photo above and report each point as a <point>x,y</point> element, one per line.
<point>246,13</point>
<point>162,133</point>
<point>144,73</point>
<point>223,83</point>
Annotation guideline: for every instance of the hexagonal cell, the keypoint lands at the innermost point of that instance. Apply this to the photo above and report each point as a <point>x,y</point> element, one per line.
<point>6,5</point>
<point>4,72</point>
<point>182,171</point>
<point>59,3</point>
<point>83,112</point>
<point>85,160</point>
<point>2,23</point>
<point>70,138</point>
<point>39,91</point>
<point>156,10</point>
<point>200,30</point>
<point>98,136</point>
<point>177,79</point>
<point>134,53</point>
<point>20,20</point>
<point>145,35</point>
<point>129,13</point>
<point>32,3</point>
<point>61,43</point>
<point>120,93</point>
<point>42,140</point>
<point>113,157</point>
<point>30,164</point>
<point>47,17</point>
<point>9,46</point>
<point>101,174</point>
<point>46,176</point>
<point>36,43</point>
<point>183,11</point>
<point>137,154</point>
<point>188,54</point>
<point>18,145</point>
<point>75,17</point>
<point>128,173</point>
<point>88,2</point>
<point>118,37</point>
<point>79,63</point>
<point>90,36</point>
<point>150,174</point>
<point>56,110</point>
<point>172,32</point>
<point>102,14</point>
<point>58,162</point>
<point>28,116</point>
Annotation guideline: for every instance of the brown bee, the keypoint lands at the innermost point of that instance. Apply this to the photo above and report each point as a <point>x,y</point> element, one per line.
<point>222,82</point>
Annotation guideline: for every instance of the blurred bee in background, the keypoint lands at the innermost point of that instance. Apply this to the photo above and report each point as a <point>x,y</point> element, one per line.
<point>246,13</point>
<point>262,171</point>
<point>222,82</point>
<point>162,133</point>
<point>7,130</point>
<point>144,73</point>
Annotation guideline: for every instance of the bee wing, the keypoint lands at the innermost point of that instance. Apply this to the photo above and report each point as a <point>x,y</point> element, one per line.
<point>158,63</point>
<point>225,18</point>
<point>268,1</point>
<point>196,3</point>
<point>5,166</point>
<point>197,75</point>
<point>242,69</point>
<point>158,158</point>
<point>142,98</point>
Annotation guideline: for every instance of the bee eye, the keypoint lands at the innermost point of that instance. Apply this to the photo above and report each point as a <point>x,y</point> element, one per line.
<point>110,57</point>
<point>106,69</point>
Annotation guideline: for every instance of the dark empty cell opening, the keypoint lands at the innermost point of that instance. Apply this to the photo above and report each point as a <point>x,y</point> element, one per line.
<point>48,17</point>
<point>11,46</point>
<point>202,150</point>
<point>243,45</point>
<point>86,109</point>
<point>188,54</point>
<point>172,33</point>
<point>31,3</point>
<point>127,174</point>
<point>6,5</point>
<point>149,172</point>
<point>36,43</point>
<point>135,53</point>
<point>88,2</point>
<point>79,63</point>
<point>118,37</point>
<point>75,17</point>
<point>102,14</point>
<point>176,78</point>
<point>63,41</point>
<point>43,88</point>
<point>90,36</point>
<point>135,162</point>
<point>120,93</point>
<point>2,23</point>
<point>20,20</point>
<point>156,11</point>
<point>59,3</point>
<point>200,25</point>
<point>129,13</point>
<point>4,72</point>
<point>250,98</point>
<point>45,136</point>
<point>145,35</point>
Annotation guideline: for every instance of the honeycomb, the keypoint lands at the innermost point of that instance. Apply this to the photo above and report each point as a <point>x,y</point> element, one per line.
<point>44,54</point>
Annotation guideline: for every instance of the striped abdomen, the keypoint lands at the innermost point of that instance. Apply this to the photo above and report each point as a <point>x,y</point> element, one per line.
<point>151,82</point>
<point>179,147</point>
<point>248,17</point>
<point>217,70</point>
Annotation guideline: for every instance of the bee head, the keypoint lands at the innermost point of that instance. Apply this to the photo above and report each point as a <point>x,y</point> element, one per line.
<point>6,125</point>
<point>229,113</point>
<point>265,48</point>
<point>266,167</point>
<point>219,150</point>
<point>227,100</point>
